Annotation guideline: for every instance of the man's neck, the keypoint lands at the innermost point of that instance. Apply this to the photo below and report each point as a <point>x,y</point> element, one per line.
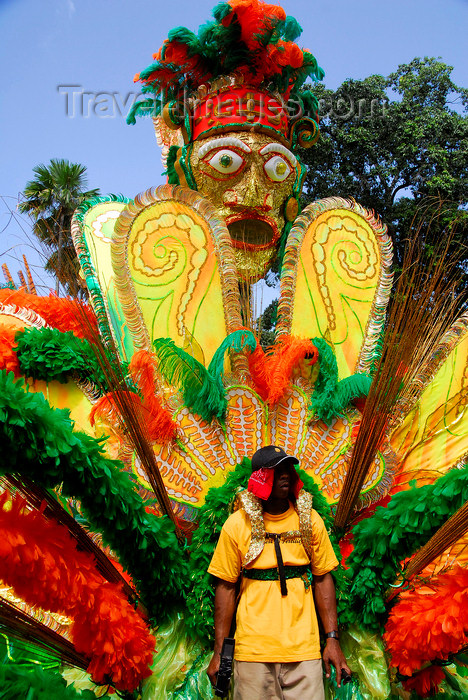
<point>276,506</point>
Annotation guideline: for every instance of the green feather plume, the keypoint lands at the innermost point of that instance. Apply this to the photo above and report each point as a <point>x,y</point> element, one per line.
<point>330,396</point>
<point>143,108</point>
<point>202,389</point>
<point>352,388</point>
<point>235,342</point>
<point>187,37</point>
<point>292,29</point>
<point>202,394</point>
<point>221,11</point>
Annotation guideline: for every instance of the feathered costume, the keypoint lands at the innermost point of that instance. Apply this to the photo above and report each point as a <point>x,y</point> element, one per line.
<point>126,426</point>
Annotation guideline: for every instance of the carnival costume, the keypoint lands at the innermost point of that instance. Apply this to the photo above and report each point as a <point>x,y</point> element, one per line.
<point>94,570</point>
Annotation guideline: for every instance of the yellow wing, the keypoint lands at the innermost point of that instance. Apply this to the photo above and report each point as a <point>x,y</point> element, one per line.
<point>174,270</point>
<point>432,435</point>
<point>92,231</point>
<point>160,266</point>
<point>336,280</point>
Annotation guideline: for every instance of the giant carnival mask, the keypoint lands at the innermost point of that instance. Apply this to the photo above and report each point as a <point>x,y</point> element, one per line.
<point>234,137</point>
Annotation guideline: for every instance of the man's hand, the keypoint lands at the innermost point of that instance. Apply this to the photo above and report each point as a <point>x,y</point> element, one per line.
<point>213,668</point>
<point>224,607</point>
<point>325,601</point>
<point>332,654</point>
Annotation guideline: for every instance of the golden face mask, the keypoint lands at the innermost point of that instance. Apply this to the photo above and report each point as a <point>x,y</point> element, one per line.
<point>249,178</point>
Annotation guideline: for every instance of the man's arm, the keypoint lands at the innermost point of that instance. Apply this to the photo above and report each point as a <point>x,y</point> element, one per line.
<point>325,601</point>
<point>224,607</point>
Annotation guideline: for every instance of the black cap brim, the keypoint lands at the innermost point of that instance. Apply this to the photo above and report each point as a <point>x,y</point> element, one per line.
<point>288,458</point>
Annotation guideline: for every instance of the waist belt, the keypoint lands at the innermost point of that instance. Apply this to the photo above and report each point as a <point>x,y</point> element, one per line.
<point>302,572</point>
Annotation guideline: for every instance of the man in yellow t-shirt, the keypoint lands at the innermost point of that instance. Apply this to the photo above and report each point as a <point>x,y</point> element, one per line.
<point>278,543</point>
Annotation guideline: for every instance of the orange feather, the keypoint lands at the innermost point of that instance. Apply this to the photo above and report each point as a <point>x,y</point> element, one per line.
<point>161,428</point>
<point>287,354</point>
<point>428,623</point>
<point>258,361</point>
<point>8,356</point>
<point>40,561</point>
<point>62,313</point>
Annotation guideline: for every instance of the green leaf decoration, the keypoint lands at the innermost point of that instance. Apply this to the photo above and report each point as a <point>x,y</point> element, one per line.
<point>221,48</point>
<point>323,398</point>
<point>391,535</point>
<point>39,442</point>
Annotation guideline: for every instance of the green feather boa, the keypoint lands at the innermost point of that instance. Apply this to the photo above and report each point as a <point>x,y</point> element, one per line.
<point>48,354</point>
<point>391,535</point>
<point>330,397</point>
<point>39,442</point>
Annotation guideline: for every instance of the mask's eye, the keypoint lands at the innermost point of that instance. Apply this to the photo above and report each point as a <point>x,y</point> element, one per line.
<point>226,162</point>
<point>277,169</point>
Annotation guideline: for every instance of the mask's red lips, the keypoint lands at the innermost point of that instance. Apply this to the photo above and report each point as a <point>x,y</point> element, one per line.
<point>251,230</point>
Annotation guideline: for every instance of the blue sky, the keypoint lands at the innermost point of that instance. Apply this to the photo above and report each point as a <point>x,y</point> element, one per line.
<point>99,45</point>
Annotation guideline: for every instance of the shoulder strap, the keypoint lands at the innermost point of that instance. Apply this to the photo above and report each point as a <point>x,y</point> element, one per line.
<point>252,506</point>
<point>304,504</point>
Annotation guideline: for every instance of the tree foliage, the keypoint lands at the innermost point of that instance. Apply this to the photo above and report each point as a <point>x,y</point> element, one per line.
<point>50,199</point>
<point>396,144</point>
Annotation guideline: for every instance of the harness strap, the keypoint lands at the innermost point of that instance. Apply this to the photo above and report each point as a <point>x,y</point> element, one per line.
<point>279,561</point>
<point>303,572</point>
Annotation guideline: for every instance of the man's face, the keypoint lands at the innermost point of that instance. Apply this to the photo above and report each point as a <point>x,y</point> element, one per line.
<point>248,177</point>
<point>282,482</point>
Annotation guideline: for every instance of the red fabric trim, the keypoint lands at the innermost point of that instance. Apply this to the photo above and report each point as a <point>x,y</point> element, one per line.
<point>240,107</point>
<point>261,483</point>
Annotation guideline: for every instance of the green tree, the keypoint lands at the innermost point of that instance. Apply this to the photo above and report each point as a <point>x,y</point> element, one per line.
<point>396,144</point>
<point>267,324</point>
<point>50,199</point>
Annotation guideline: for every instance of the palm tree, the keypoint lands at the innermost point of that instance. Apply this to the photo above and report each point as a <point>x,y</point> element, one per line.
<point>50,199</point>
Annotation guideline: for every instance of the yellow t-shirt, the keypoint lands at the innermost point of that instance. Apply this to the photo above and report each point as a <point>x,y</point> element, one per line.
<point>271,627</point>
